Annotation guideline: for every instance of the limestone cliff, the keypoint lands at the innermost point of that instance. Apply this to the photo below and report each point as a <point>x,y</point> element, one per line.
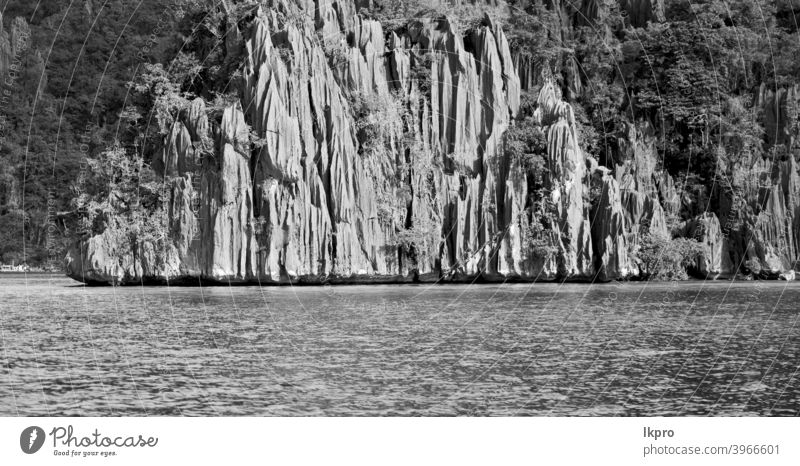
<point>358,156</point>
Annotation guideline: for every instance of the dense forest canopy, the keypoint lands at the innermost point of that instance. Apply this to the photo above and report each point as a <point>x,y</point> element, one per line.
<point>103,80</point>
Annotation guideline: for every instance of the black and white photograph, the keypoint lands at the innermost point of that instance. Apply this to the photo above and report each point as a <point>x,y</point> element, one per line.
<point>254,210</point>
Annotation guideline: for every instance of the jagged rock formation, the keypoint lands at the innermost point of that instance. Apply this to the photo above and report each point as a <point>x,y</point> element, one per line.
<point>714,260</point>
<point>329,188</point>
<point>303,206</point>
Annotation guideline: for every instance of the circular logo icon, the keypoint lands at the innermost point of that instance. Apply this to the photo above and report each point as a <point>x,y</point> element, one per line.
<point>31,439</point>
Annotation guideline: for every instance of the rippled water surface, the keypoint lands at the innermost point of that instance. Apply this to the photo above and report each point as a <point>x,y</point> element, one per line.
<point>692,348</point>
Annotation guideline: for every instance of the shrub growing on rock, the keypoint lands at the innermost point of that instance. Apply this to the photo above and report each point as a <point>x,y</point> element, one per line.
<point>378,117</point>
<point>124,200</point>
<point>753,267</point>
<point>665,258</point>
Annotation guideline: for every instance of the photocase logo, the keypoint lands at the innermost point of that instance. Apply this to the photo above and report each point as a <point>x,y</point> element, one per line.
<point>31,439</point>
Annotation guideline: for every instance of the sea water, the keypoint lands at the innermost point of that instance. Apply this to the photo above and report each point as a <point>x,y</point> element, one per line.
<point>683,348</point>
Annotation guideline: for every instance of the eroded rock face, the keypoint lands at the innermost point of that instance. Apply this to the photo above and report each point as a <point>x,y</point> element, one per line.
<point>714,261</point>
<point>778,106</point>
<point>610,225</point>
<point>300,181</point>
<point>308,204</point>
<point>567,179</point>
<point>772,236</point>
<point>759,209</point>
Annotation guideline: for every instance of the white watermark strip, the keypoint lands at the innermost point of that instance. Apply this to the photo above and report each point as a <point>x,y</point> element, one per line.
<point>400,441</point>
